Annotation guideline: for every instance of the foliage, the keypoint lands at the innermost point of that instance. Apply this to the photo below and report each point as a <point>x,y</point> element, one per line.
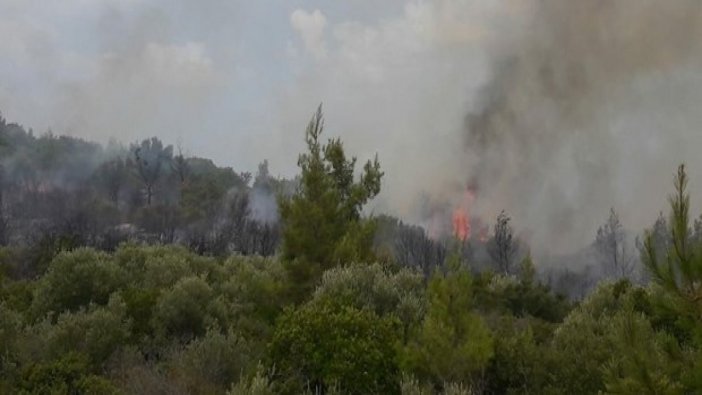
<point>502,247</point>
<point>373,287</point>
<point>642,360</point>
<point>181,311</point>
<point>612,248</point>
<point>680,273</point>
<point>521,363</point>
<point>321,221</point>
<point>679,276</point>
<point>520,298</point>
<point>96,333</point>
<point>213,362</point>
<point>319,346</point>
<point>259,384</point>
<point>453,343</point>
<point>254,290</point>
<point>151,161</point>
<point>408,245</point>
<point>76,279</point>
<point>67,375</point>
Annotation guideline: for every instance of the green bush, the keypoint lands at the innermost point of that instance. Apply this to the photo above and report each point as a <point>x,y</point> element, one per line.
<point>452,344</point>
<point>581,346</point>
<point>76,279</point>
<point>255,287</point>
<point>182,311</point>
<point>67,375</point>
<point>210,364</point>
<point>373,287</point>
<point>320,346</point>
<point>96,332</point>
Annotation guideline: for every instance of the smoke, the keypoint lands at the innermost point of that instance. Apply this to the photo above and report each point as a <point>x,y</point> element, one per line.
<point>555,111</point>
<point>591,107</point>
<point>552,110</point>
<point>263,205</point>
<point>120,69</point>
<point>397,86</point>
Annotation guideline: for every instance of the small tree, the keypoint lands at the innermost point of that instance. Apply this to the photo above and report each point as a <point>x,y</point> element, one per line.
<point>502,247</point>
<point>453,343</point>
<point>150,158</point>
<point>181,167</point>
<point>611,247</point>
<point>322,223</point>
<point>320,347</point>
<point>112,177</point>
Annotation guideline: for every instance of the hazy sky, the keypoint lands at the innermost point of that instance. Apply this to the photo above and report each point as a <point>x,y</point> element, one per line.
<point>235,80</point>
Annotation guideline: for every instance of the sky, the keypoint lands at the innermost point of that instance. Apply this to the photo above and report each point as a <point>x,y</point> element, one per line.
<point>559,110</point>
<point>231,80</point>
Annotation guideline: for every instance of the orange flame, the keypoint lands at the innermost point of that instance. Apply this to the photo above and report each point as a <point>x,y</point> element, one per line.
<point>461,224</point>
<point>461,217</point>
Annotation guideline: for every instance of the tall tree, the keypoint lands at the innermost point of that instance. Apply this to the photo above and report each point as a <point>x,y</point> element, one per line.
<point>150,160</point>
<point>679,275</point>
<point>263,180</point>
<point>112,176</point>
<point>4,225</point>
<point>322,223</point>
<point>180,166</point>
<point>612,249</point>
<point>502,247</point>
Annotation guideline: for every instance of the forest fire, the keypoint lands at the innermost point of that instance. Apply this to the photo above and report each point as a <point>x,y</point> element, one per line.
<point>464,223</point>
<point>461,216</point>
<point>461,224</point>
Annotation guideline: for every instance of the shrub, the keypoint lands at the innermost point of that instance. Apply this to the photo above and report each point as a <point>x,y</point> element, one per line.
<point>320,346</point>
<point>76,279</point>
<point>453,344</point>
<point>97,332</point>
<point>210,364</point>
<point>182,311</point>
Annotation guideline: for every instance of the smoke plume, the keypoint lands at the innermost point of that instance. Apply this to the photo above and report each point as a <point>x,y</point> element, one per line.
<point>590,107</point>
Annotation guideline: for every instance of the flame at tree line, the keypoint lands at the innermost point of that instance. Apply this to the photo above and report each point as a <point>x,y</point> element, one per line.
<point>462,221</point>
<point>461,216</point>
<point>456,218</point>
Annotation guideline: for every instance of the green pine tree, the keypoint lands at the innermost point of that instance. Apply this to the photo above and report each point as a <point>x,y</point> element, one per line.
<point>322,223</point>
<point>453,344</point>
<point>677,275</point>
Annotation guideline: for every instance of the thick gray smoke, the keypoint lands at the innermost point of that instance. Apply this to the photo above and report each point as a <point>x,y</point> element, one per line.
<point>591,107</point>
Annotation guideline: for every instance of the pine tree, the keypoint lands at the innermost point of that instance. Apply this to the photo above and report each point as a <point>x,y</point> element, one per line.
<point>679,277</point>
<point>680,273</point>
<point>322,224</point>
<point>453,343</point>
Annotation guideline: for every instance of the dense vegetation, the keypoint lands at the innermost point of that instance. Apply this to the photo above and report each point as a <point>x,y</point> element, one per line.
<point>143,272</point>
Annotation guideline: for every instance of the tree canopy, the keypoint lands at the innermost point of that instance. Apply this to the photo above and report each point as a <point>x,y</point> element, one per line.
<point>322,224</point>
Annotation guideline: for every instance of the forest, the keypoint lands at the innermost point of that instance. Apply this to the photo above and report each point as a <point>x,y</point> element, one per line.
<point>138,270</point>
